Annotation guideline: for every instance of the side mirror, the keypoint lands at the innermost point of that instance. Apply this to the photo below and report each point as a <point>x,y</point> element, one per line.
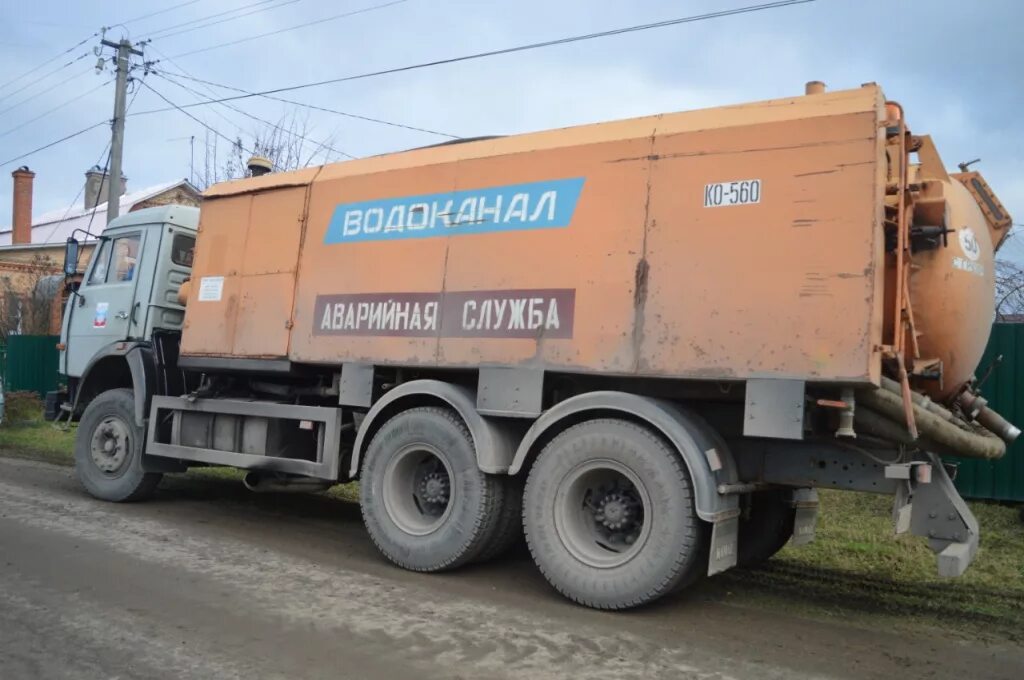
<point>71,257</point>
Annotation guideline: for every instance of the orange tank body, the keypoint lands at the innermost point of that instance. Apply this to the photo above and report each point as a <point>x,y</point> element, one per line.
<point>723,244</point>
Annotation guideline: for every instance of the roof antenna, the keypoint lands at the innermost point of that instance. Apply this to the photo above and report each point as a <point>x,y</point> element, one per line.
<point>964,166</point>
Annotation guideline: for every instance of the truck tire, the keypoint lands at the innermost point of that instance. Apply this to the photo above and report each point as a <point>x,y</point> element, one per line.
<point>765,527</point>
<point>609,515</point>
<point>109,448</point>
<point>508,529</point>
<point>425,502</point>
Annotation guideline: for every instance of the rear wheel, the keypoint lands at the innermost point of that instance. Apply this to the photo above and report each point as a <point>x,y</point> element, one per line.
<point>765,526</point>
<point>109,447</point>
<point>609,515</point>
<point>508,529</point>
<point>425,502</point>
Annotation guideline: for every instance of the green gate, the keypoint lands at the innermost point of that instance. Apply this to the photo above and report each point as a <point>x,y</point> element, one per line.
<point>31,363</point>
<point>1001,480</point>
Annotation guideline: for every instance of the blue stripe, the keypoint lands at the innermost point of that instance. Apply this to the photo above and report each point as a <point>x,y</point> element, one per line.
<point>514,207</point>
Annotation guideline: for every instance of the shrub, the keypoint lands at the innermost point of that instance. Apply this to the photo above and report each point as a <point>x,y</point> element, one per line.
<point>22,407</point>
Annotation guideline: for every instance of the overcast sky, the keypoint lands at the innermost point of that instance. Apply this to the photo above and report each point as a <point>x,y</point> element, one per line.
<point>957,67</point>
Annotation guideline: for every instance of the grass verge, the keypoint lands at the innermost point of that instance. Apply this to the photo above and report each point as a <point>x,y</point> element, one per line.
<point>855,571</point>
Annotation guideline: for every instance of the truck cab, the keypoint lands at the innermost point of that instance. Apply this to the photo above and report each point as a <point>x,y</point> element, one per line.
<point>128,293</point>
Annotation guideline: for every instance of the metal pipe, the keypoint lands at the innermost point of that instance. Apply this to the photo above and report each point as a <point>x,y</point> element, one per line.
<point>976,406</point>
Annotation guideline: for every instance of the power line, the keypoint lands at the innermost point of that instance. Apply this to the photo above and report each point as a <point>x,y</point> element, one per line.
<point>322,145</point>
<point>44,77</point>
<point>48,61</point>
<point>81,187</point>
<point>160,11</point>
<point>168,31</point>
<point>54,143</point>
<point>364,10</point>
<point>49,89</point>
<point>55,108</point>
<point>81,190</point>
<point>96,205</point>
<point>233,142</point>
<point>314,107</point>
<point>509,50</point>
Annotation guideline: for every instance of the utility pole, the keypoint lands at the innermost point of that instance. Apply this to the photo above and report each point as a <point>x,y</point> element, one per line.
<point>123,64</point>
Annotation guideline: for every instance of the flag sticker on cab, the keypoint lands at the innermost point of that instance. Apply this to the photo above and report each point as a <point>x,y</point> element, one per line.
<point>513,207</point>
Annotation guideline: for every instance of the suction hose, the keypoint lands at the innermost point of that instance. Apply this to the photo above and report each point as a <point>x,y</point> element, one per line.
<point>880,412</point>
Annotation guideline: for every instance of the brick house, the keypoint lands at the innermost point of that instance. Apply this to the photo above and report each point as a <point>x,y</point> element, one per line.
<point>32,248</point>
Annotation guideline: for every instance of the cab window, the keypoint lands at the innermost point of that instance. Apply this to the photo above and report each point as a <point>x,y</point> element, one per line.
<point>117,261</point>
<point>182,249</point>
<point>99,269</point>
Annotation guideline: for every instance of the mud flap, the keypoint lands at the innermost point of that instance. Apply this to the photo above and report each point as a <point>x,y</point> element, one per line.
<point>724,539</point>
<point>806,520</point>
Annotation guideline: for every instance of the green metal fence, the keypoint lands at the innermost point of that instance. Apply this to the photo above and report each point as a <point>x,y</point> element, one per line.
<point>31,363</point>
<point>1001,480</point>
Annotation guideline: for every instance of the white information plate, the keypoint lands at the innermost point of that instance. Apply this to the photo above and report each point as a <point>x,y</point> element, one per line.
<point>211,288</point>
<point>740,192</point>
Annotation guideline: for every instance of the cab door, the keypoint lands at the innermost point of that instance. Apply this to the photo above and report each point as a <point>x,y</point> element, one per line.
<point>106,310</point>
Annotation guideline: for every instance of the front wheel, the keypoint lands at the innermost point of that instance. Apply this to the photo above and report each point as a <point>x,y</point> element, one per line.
<point>109,447</point>
<point>609,515</point>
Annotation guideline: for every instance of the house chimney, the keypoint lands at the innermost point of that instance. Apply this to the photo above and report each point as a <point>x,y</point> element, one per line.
<point>97,187</point>
<point>814,87</point>
<point>21,211</point>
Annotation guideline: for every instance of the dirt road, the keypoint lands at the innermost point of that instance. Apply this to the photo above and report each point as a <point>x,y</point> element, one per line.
<point>210,581</point>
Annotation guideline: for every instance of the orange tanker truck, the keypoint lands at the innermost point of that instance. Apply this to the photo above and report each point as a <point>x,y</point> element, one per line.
<point>644,343</point>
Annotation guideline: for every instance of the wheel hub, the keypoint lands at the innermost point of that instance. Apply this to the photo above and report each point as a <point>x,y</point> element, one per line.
<point>433,488</point>
<point>417,489</point>
<point>110,445</point>
<point>602,516</point>
<point>613,511</point>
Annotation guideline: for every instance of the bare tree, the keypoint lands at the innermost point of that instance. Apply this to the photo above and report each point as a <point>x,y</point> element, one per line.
<point>287,144</point>
<point>1009,289</point>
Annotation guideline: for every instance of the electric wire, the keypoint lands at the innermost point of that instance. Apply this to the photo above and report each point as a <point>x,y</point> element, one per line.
<point>183,74</point>
<point>160,11</point>
<point>67,80</point>
<point>319,144</point>
<point>96,205</point>
<point>215,131</point>
<point>168,31</point>
<point>56,108</point>
<point>81,188</point>
<point>364,10</point>
<point>54,143</point>
<point>40,79</point>
<point>48,61</point>
<point>511,50</point>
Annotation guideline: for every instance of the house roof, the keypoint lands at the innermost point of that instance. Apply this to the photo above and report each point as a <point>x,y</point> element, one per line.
<point>56,226</point>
